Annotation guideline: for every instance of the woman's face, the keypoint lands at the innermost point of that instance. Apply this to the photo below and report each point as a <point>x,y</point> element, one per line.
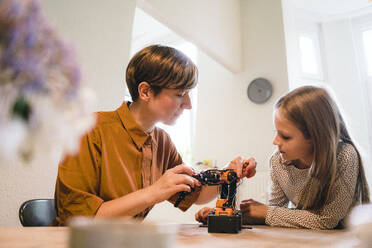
<point>290,141</point>
<point>169,104</point>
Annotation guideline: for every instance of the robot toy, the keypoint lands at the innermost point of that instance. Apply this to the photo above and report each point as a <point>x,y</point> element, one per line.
<point>224,218</point>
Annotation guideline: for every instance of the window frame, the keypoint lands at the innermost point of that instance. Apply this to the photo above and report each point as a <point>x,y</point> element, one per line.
<point>310,30</point>
<point>172,39</point>
<point>358,26</point>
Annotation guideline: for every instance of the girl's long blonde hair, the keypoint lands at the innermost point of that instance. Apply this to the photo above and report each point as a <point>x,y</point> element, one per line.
<point>316,114</point>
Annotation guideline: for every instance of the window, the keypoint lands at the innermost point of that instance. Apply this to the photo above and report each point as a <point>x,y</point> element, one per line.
<point>366,61</point>
<point>362,34</point>
<point>182,132</point>
<point>367,44</point>
<point>146,31</point>
<point>309,57</point>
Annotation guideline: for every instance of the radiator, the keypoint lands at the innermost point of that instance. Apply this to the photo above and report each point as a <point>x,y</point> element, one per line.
<point>256,188</point>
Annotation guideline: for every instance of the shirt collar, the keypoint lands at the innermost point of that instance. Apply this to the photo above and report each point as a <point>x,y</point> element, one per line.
<point>291,163</point>
<point>137,134</point>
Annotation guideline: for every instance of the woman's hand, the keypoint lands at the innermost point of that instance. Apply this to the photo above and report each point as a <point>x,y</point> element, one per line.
<point>173,181</point>
<point>202,215</point>
<point>253,212</point>
<point>244,168</point>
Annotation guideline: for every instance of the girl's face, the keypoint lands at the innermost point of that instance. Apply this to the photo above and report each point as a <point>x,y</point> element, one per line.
<point>290,141</point>
<point>169,104</point>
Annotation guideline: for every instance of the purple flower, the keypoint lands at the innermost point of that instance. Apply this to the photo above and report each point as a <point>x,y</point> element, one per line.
<point>31,51</point>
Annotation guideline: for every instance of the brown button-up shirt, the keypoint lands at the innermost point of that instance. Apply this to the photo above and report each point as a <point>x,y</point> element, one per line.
<point>116,158</point>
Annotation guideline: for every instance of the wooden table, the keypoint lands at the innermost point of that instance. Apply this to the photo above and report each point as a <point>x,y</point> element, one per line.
<point>192,236</point>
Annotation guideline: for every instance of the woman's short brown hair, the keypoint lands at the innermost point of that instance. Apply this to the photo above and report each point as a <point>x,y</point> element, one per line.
<point>161,67</point>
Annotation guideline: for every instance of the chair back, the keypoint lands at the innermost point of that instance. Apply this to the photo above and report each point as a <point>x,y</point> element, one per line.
<point>37,212</point>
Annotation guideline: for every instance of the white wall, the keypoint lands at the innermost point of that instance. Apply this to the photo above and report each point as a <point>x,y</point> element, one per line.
<point>344,78</point>
<point>212,25</point>
<point>339,63</point>
<point>228,124</point>
<point>292,50</point>
<point>101,34</point>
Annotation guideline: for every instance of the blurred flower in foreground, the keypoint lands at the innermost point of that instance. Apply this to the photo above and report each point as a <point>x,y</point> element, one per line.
<point>43,109</point>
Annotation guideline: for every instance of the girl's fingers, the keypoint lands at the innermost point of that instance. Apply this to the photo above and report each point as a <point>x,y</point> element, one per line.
<point>202,214</point>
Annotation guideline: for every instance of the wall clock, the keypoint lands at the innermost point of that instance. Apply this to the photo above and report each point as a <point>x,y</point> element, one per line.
<point>259,90</point>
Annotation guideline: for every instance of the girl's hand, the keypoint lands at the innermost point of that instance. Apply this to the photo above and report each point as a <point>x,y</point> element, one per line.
<point>244,168</point>
<point>202,214</point>
<point>253,212</point>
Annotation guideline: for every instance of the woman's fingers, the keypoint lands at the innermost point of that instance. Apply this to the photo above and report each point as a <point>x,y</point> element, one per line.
<point>173,181</point>
<point>182,175</point>
<point>182,169</point>
<point>187,180</point>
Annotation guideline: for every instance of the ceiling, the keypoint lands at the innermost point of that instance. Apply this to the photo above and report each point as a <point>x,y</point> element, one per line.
<point>145,25</point>
<point>332,7</point>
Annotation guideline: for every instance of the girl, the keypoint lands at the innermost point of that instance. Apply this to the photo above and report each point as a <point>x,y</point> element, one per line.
<point>317,166</point>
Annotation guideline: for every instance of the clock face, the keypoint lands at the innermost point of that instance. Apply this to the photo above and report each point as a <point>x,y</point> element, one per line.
<point>259,90</point>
